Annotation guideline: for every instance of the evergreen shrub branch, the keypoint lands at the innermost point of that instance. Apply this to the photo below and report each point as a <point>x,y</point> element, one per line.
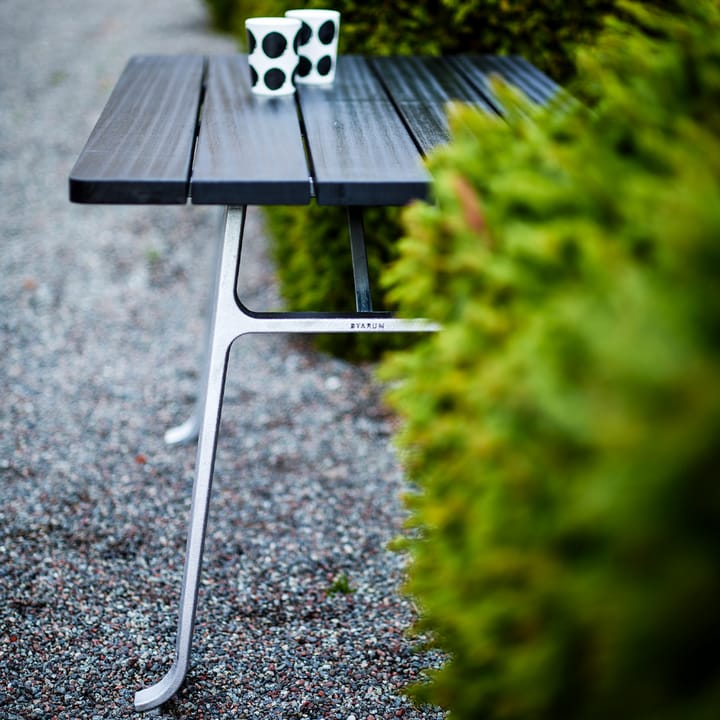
<point>562,428</point>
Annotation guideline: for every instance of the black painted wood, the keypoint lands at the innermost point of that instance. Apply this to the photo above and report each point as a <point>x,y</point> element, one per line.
<point>525,75</point>
<point>250,149</point>
<point>517,71</point>
<point>361,138</point>
<point>360,151</point>
<point>140,150</point>
<point>421,88</point>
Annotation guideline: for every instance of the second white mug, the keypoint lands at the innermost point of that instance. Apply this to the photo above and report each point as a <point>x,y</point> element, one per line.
<point>317,45</point>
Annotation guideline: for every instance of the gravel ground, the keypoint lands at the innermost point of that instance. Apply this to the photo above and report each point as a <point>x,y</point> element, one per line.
<point>101,315</point>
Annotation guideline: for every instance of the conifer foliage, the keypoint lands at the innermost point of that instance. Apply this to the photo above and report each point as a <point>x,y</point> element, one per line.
<point>562,429</point>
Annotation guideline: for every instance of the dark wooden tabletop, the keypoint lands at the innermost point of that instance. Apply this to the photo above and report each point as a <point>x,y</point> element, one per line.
<point>188,127</point>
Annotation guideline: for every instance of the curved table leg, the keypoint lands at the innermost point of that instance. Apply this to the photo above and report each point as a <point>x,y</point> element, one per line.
<point>163,690</point>
<point>222,336</point>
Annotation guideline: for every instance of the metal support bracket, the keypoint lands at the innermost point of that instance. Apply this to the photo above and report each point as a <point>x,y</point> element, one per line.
<point>363,298</point>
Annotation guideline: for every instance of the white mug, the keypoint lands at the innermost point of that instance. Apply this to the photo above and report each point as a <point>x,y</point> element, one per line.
<point>317,45</point>
<point>272,54</point>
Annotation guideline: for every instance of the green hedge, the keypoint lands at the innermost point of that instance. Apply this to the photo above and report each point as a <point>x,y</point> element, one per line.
<point>545,31</point>
<point>562,429</point>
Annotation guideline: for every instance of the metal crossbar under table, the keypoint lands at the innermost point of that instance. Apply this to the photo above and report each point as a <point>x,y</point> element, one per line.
<point>229,320</point>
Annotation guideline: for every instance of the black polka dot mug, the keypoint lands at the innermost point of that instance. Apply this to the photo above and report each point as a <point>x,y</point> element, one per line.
<point>272,54</point>
<point>317,45</point>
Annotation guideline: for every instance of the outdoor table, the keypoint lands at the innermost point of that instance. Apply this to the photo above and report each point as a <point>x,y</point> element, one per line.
<point>179,128</point>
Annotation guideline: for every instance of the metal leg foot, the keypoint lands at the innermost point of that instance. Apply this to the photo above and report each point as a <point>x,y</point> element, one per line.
<point>155,695</point>
<point>185,433</point>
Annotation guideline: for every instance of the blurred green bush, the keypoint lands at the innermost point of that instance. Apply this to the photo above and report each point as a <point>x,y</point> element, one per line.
<point>544,31</point>
<point>313,241</point>
<point>563,428</point>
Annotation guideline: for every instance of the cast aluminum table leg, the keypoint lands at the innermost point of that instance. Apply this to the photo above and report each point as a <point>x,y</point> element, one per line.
<point>230,320</point>
<point>214,375</point>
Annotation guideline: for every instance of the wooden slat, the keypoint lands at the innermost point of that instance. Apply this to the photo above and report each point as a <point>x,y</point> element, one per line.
<point>361,153</point>
<point>141,148</point>
<point>517,71</point>
<point>250,148</point>
<point>421,88</point>
<point>536,85</point>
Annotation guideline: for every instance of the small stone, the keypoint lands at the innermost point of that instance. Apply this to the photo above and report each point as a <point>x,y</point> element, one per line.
<point>333,383</point>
